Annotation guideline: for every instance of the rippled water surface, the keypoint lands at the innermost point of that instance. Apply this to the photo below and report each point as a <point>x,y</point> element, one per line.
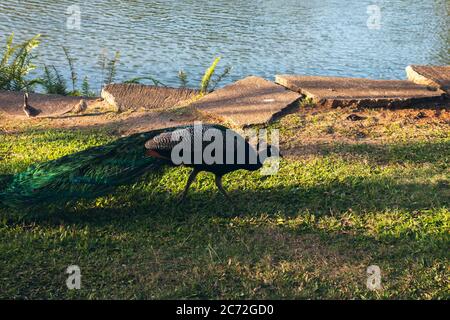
<point>158,38</point>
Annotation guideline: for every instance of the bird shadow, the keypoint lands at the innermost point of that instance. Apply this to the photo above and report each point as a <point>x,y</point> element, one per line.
<point>357,194</point>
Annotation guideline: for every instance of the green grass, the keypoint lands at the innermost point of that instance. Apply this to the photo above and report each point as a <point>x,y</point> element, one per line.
<point>310,231</point>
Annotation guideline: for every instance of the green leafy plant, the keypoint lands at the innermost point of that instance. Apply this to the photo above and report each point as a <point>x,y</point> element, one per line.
<point>220,77</point>
<point>182,76</point>
<point>52,81</point>
<point>112,68</point>
<point>307,102</point>
<point>16,63</point>
<point>86,89</point>
<point>108,67</point>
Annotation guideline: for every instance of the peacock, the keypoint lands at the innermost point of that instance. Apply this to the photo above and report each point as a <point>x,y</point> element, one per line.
<point>235,152</point>
<point>99,170</point>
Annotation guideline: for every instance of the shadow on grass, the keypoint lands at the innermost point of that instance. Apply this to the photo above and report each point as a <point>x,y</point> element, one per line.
<point>182,234</point>
<point>355,193</point>
<point>4,180</point>
<point>124,225</point>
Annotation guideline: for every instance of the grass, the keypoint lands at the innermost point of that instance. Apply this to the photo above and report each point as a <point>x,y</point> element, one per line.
<point>336,207</point>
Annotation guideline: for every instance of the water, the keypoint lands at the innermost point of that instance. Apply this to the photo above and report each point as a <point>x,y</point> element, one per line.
<point>255,37</point>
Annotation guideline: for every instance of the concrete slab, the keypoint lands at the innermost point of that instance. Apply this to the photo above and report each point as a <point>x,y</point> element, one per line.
<point>435,76</point>
<point>354,92</point>
<point>50,105</point>
<point>137,96</point>
<point>249,101</point>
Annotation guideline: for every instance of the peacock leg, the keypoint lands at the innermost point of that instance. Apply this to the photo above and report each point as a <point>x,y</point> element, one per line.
<point>188,184</point>
<point>222,190</point>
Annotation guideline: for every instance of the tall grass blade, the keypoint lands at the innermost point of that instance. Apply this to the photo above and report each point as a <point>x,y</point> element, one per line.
<point>73,73</point>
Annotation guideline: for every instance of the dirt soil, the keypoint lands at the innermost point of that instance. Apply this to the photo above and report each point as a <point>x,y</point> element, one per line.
<point>99,114</point>
<point>311,130</point>
<point>306,130</point>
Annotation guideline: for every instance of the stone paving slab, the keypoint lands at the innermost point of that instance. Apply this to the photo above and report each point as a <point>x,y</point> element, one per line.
<point>138,96</point>
<point>249,101</point>
<point>435,76</point>
<point>50,104</point>
<point>355,92</point>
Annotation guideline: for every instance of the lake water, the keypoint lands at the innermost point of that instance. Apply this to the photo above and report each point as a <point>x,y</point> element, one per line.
<point>255,37</point>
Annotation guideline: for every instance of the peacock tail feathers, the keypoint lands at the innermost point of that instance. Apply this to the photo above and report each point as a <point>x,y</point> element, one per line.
<point>87,174</point>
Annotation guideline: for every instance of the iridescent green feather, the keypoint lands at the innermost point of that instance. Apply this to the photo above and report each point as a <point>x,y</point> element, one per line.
<point>86,174</point>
